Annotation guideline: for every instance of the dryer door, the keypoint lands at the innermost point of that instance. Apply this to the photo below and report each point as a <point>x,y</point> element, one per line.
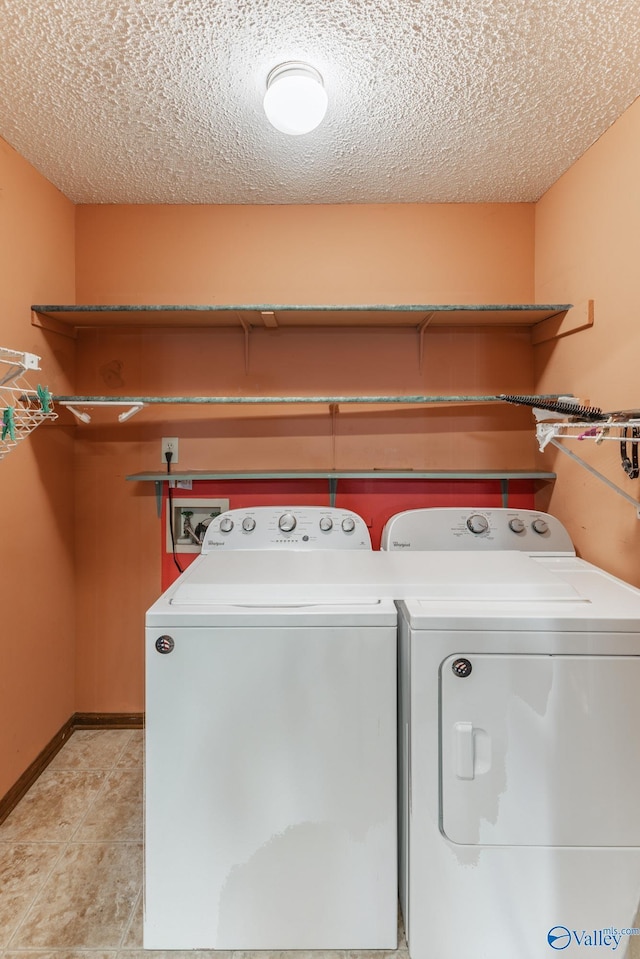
<point>540,750</point>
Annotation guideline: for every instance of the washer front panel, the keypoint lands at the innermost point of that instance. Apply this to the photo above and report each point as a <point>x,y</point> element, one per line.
<point>270,768</point>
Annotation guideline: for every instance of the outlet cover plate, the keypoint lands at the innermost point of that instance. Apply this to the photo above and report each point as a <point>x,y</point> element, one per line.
<point>170,445</point>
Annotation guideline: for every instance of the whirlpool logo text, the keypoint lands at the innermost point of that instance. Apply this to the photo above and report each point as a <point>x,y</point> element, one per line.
<point>560,937</point>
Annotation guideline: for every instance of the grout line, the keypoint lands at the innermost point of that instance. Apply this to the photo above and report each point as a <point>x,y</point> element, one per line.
<point>124,749</point>
<point>99,792</point>
<point>129,924</point>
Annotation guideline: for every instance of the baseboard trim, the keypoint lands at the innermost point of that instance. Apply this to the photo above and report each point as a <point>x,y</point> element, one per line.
<point>78,721</point>
<point>108,720</point>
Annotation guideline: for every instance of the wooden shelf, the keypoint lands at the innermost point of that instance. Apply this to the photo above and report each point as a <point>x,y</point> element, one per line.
<point>68,319</point>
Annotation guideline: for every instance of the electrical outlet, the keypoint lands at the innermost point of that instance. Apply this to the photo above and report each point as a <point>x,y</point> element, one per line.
<point>170,445</point>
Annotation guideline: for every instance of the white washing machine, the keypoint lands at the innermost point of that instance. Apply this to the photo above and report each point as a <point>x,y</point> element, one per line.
<point>519,745</point>
<point>270,766</point>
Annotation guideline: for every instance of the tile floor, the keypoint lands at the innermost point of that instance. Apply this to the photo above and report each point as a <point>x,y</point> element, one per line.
<point>71,860</point>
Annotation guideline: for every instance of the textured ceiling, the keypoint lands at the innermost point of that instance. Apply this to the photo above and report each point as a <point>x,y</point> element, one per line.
<point>160,101</point>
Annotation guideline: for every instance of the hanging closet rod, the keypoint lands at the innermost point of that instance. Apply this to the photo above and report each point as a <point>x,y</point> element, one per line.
<point>129,400</point>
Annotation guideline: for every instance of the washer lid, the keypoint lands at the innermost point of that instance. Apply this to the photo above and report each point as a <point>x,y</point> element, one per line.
<point>343,613</point>
<point>259,577</point>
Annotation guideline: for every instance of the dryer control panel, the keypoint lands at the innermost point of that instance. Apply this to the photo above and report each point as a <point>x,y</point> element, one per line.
<point>454,528</point>
<point>287,527</point>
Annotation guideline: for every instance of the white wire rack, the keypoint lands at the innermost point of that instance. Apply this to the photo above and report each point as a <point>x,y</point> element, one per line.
<point>599,432</point>
<point>616,429</point>
<point>22,408</point>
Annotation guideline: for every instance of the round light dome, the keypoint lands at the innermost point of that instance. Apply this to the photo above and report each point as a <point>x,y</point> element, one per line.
<point>296,100</point>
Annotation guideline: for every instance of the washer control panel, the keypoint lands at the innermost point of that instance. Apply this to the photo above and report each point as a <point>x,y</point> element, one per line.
<point>287,527</point>
<point>452,528</point>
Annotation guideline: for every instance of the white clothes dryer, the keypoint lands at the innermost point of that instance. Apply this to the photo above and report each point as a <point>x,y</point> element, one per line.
<point>270,765</point>
<point>518,744</point>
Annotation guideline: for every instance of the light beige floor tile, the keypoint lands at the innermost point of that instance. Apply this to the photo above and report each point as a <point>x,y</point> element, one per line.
<point>92,749</point>
<point>133,754</point>
<point>24,868</point>
<point>633,942</point>
<point>59,954</point>
<point>133,937</point>
<point>294,954</point>
<point>176,954</point>
<point>400,953</point>
<point>53,807</point>
<point>87,901</point>
<point>116,815</point>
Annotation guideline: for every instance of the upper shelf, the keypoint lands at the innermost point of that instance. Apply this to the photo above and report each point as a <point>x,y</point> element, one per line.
<point>414,316</point>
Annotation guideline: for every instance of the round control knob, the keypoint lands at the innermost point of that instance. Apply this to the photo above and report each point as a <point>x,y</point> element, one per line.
<point>326,523</point>
<point>516,525</point>
<point>165,644</point>
<point>287,522</point>
<point>461,668</point>
<point>248,524</point>
<point>226,524</point>
<point>348,524</point>
<point>540,526</point>
<point>478,524</point>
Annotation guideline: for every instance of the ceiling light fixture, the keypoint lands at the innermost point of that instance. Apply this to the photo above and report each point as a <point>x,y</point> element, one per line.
<point>296,100</point>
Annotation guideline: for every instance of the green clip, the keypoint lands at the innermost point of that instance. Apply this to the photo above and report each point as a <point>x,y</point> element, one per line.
<point>8,424</point>
<point>45,398</point>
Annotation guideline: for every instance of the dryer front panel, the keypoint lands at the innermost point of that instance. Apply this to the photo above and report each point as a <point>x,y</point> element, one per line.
<point>540,750</point>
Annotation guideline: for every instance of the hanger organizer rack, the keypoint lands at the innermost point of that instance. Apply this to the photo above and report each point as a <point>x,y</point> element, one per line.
<point>624,432</point>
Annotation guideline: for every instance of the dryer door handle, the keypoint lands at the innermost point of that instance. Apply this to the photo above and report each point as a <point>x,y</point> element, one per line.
<point>463,750</point>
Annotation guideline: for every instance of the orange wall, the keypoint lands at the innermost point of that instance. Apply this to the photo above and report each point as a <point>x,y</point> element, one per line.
<point>409,253</point>
<point>334,254</point>
<point>36,478</point>
<point>587,247</point>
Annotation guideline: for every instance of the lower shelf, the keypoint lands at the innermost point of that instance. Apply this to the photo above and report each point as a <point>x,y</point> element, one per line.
<point>333,476</point>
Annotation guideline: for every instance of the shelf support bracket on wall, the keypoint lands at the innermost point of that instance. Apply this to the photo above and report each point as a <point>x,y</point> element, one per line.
<point>421,331</point>
<point>579,317</point>
<point>133,407</point>
<point>597,474</point>
<point>247,339</point>
<point>333,490</point>
<point>333,412</point>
